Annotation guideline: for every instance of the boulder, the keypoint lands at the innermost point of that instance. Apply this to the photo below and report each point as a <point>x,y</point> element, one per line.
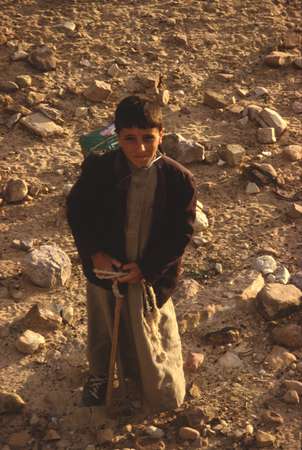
<point>98,91</point>
<point>43,59</point>
<point>48,266</point>
<point>15,191</point>
<point>276,298</point>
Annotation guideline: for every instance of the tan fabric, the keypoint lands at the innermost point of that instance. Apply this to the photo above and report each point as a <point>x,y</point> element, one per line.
<point>149,341</point>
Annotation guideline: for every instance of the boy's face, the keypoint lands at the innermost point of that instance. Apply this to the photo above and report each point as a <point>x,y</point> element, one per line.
<point>140,145</point>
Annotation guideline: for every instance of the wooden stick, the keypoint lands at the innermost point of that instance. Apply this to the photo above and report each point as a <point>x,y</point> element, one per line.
<point>114,342</point>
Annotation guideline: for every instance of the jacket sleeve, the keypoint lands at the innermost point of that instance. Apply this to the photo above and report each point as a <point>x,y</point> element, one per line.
<point>81,210</point>
<point>168,249</point>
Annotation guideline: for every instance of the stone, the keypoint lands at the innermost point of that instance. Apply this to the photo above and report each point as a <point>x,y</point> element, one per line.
<point>260,92</point>
<point>52,435</point>
<point>29,342</point>
<point>11,402</point>
<point>98,91</point>
<point>280,358</point>
<point>271,417</point>
<point>180,39</point>
<point>293,385</point>
<point>19,55</point>
<point>201,221</point>
<point>34,98</point>
<point>265,264</point>
<point>68,314</point>
<point>297,280</point>
<point>41,318</point>
<point>266,135</point>
<point>195,391</point>
<point>291,397</point>
<point>297,107</point>
<point>252,188</point>
<point>104,436</point>
<point>279,59</point>
<point>282,275</point>
<point>250,283</point>
<point>294,211</point>
<point>214,99</point>
<point>24,81</point>
<point>194,361</point>
<point>274,120</point>
<point>48,266</point>
<point>293,152</point>
<point>8,86</point>
<point>15,191</point>
<point>289,336</point>
<point>264,439</point>
<point>68,26</point>
<point>154,432</point>
<point>181,149</point>
<point>253,112</point>
<point>19,440</point>
<point>233,154</point>
<point>298,62</point>
<point>230,361</point>
<point>163,97</point>
<point>13,120</point>
<point>41,125</point>
<point>43,59</point>
<point>114,70</point>
<point>276,298</point>
<point>262,174</point>
<point>81,111</point>
<point>188,434</point>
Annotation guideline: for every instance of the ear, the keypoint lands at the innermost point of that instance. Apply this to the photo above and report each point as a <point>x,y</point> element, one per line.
<point>161,135</point>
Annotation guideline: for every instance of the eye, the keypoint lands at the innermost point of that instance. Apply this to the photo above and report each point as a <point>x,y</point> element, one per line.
<point>130,138</point>
<point>149,138</point>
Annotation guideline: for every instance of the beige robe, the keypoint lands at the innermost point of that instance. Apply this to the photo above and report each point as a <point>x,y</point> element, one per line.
<point>149,342</point>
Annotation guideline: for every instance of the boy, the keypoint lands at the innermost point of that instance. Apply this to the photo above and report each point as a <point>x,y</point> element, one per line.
<point>132,210</point>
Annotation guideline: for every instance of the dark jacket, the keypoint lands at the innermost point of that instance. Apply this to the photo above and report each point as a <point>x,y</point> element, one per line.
<point>97,208</point>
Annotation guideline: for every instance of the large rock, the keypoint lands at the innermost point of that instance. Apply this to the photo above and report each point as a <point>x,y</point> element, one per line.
<point>11,402</point>
<point>181,149</point>
<point>274,120</point>
<point>98,91</point>
<point>29,342</point>
<point>15,191</point>
<point>43,59</point>
<point>41,125</point>
<point>289,336</point>
<point>48,266</point>
<point>276,298</point>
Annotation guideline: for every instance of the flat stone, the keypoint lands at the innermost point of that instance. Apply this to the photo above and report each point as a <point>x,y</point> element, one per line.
<point>252,188</point>
<point>98,91</point>
<point>43,59</point>
<point>188,433</point>
<point>264,439</point>
<point>280,358</point>
<point>233,154</point>
<point>293,152</point>
<point>41,318</point>
<point>11,402</point>
<point>274,120</point>
<point>214,99</point>
<point>15,191</point>
<point>8,86</point>
<point>265,264</point>
<point>41,125</point>
<point>266,135</point>
<point>279,59</point>
<point>230,361</point>
<point>289,336</point>
<point>48,266</point>
<point>276,298</point>
<point>29,342</point>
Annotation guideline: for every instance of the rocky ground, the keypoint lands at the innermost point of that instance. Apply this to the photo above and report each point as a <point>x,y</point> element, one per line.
<point>232,70</point>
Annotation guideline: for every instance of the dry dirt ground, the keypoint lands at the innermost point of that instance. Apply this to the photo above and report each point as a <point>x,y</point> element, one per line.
<point>229,36</point>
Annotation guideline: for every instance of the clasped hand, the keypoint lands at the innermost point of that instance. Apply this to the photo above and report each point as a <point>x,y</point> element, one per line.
<point>102,261</point>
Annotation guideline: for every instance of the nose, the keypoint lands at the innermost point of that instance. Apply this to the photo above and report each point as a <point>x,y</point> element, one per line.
<point>141,147</point>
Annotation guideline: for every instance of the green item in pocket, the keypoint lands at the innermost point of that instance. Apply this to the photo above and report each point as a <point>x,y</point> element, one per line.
<point>101,140</point>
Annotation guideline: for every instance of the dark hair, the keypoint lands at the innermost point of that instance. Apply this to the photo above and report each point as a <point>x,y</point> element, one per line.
<point>137,112</point>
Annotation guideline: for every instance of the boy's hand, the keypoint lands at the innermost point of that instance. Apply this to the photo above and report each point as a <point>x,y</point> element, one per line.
<point>134,274</point>
<point>102,261</point>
